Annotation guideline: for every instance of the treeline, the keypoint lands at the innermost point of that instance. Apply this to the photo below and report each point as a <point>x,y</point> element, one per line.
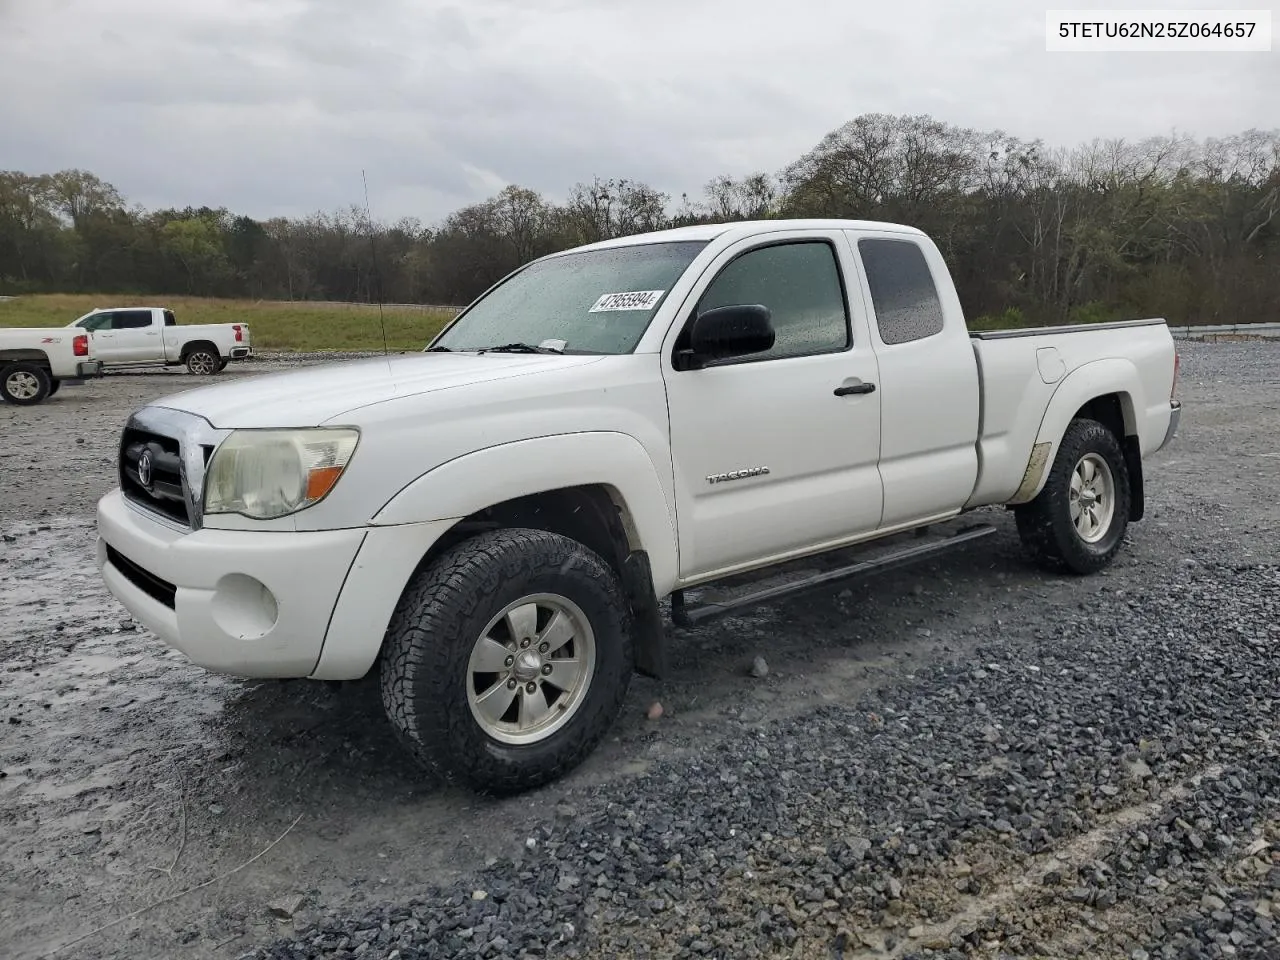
<point>1170,226</point>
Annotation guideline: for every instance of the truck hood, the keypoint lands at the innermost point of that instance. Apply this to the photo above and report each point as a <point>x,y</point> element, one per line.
<point>314,395</point>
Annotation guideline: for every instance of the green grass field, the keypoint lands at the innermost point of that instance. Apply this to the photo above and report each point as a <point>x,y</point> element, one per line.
<point>274,325</point>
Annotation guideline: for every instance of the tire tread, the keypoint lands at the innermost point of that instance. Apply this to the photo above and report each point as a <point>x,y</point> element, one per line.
<point>1044,524</point>
<point>422,641</point>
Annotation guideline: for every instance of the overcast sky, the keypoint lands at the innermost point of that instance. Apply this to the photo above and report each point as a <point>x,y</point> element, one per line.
<point>273,107</point>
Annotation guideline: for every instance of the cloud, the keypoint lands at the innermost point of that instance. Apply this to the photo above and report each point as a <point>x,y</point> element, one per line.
<point>272,107</point>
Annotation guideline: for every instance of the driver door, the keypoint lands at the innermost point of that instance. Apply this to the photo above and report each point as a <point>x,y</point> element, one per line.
<point>769,459</point>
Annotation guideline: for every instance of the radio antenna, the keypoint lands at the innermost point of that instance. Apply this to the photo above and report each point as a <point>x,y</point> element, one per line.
<point>373,254</point>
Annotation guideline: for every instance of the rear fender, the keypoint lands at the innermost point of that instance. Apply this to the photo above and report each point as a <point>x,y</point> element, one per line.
<point>1088,382</point>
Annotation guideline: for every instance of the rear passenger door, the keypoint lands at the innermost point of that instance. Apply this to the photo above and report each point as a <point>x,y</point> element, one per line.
<point>929,390</point>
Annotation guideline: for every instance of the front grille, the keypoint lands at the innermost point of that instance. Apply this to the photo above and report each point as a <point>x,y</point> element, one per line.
<point>160,590</point>
<point>159,488</point>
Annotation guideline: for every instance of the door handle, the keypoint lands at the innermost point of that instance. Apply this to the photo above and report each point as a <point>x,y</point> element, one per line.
<point>847,389</point>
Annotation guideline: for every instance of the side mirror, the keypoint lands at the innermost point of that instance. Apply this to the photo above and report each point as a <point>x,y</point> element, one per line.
<point>725,332</point>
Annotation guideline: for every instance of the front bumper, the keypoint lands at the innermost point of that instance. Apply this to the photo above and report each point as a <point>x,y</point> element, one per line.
<point>244,603</point>
<point>258,604</point>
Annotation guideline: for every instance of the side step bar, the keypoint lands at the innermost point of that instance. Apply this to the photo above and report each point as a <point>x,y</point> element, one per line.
<point>685,616</point>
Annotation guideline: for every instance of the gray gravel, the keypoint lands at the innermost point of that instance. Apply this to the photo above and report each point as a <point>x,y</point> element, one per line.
<point>966,759</point>
<point>1088,791</point>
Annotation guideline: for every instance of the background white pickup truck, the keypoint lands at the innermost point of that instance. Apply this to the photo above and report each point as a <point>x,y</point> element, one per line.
<point>130,336</point>
<point>36,361</point>
<point>493,523</point>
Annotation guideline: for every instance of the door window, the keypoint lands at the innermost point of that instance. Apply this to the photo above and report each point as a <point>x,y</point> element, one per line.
<point>800,284</point>
<point>132,319</point>
<point>99,321</point>
<point>902,290</point>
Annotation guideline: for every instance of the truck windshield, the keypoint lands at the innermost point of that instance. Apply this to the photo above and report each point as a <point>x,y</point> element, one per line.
<point>596,301</point>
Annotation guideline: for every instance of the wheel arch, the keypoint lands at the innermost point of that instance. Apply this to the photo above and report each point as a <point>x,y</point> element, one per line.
<point>1109,391</point>
<point>192,345</point>
<point>598,488</point>
<point>24,355</point>
<point>593,514</point>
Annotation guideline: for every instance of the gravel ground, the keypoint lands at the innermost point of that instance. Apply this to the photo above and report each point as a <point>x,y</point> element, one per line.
<point>969,758</point>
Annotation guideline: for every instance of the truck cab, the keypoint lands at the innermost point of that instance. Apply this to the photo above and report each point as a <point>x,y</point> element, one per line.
<point>127,335</point>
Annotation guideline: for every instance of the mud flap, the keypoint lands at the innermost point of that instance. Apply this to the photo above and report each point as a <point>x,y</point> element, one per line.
<point>650,639</point>
<point>1133,461</point>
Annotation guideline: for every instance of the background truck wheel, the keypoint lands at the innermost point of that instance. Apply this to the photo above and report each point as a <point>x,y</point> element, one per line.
<point>203,361</point>
<point>25,383</point>
<point>507,659</point>
<point>1077,522</point>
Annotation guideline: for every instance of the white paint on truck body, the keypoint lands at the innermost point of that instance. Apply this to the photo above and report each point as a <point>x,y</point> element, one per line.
<point>875,411</point>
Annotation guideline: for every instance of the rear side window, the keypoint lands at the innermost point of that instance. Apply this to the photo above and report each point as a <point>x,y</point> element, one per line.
<point>800,284</point>
<point>903,293</point>
<point>169,319</point>
<point>132,319</point>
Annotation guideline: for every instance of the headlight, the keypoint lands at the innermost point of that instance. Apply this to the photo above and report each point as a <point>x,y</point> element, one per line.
<point>272,473</point>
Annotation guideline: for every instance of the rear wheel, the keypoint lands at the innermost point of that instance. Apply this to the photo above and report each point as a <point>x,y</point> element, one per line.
<point>203,361</point>
<point>507,659</point>
<point>25,383</point>
<point>1077,522</point>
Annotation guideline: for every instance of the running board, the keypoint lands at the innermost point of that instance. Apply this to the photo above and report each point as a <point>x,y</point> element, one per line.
<point>684,616</point>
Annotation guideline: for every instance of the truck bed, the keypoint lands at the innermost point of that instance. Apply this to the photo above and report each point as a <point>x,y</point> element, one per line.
<point>1022,370</point>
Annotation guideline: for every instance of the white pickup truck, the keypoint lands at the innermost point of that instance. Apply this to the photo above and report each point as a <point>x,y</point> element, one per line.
<point>141,336</point>
<point>492,524</point>
<point>36,361</point>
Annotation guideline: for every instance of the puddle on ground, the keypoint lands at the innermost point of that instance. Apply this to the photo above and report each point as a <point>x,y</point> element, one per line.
<point>87,701</point>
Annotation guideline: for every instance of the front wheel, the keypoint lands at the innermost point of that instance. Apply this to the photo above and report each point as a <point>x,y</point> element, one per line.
<point>507,659</point>
<point>25,383</point>
<point>1077,522</point>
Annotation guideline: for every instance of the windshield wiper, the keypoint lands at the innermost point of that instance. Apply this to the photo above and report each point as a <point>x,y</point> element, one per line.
<point>519,348</point>
<point>440,350</point>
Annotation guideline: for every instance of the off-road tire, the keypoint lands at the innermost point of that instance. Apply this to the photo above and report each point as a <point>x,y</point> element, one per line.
<point>203,361</point>
<point>1045,525</point>
<point>444,610</point>
<point>28,372</point>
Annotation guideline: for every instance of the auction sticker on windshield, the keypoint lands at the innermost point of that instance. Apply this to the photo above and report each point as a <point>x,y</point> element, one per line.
<point>635,300</point>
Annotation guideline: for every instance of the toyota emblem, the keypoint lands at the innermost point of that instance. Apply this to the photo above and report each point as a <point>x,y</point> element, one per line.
<point>144,469</point>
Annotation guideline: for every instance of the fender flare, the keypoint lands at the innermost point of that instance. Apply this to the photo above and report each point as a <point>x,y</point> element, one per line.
<point>1098,378</point>
<point>616,461</point>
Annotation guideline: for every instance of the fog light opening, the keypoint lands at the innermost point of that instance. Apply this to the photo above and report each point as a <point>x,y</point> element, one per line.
<point>243,607</point>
